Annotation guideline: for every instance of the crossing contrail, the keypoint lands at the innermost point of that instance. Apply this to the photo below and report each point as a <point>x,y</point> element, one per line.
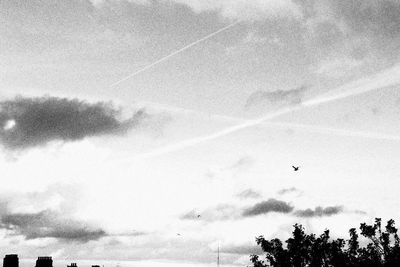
<point>381,80</point>
<point>174,53</point>
<point>304,127</point>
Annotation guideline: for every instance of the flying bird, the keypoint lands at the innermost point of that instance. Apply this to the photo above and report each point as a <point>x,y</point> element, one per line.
<point>178,234</point>
<point>295,168</point>
<point>198,216</point>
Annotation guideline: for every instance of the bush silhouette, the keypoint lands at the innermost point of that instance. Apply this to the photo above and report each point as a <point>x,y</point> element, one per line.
<point>308,250</point>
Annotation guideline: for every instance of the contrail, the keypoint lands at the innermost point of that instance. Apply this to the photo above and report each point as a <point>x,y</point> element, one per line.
<point>381,80</point>
<point>300,126</point>
<point>174,53</point>
<point>334,131</point>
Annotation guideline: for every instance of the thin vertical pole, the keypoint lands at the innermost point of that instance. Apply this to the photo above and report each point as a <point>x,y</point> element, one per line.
<point>218,256</point>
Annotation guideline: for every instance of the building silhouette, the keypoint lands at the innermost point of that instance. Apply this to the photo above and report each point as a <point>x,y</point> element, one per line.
<point>44,262</point>
<point>11,260</point>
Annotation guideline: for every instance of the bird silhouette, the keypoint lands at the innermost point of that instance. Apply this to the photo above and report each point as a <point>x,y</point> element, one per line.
<point>178,234</point>
<point>296,168</point>
<point>198,216</point>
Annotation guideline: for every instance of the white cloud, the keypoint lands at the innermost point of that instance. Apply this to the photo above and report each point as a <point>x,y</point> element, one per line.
<point>245,9</point>
<point>248,10</point>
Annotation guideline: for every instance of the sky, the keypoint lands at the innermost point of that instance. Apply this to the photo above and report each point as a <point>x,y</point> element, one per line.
<point>150,132</point>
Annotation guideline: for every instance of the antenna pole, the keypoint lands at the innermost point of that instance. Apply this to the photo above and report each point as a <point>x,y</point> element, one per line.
<point>218,256</point>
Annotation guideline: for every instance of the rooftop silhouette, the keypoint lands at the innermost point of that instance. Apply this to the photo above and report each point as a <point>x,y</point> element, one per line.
<point>44,262</point>
<point>11,260</point>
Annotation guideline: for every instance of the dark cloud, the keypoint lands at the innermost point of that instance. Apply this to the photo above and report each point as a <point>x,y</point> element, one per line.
<point>271,205</point>
<point>248,193</point>
<point>129,233</point>
<point>232,212</point>
<point>44,222</point>
<point>287,190</point>
<point>29,122</point>
<point>191,215</point>
<point>319,211</point>
<point>278,97</point>
<point>49,224</point>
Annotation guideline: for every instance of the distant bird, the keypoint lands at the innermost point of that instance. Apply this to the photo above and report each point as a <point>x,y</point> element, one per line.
<point>295,168</point>
<point>178,234</point>
<point>198,216</point>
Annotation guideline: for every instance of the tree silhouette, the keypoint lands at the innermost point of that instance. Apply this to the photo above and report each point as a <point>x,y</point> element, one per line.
<point>307,250</point>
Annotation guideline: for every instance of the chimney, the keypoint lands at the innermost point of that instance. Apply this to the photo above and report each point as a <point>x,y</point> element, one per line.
<point>11,260</point>
<point>44,262</point>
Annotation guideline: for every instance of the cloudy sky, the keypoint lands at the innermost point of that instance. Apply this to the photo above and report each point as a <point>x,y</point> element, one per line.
<point>147,132</point>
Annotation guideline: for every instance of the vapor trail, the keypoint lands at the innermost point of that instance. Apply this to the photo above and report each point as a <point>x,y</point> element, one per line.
<point>174,53</point>
<point>285,125</point>
<point>379,81</point>
<point>334,131</point>
<point>198,140</point>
